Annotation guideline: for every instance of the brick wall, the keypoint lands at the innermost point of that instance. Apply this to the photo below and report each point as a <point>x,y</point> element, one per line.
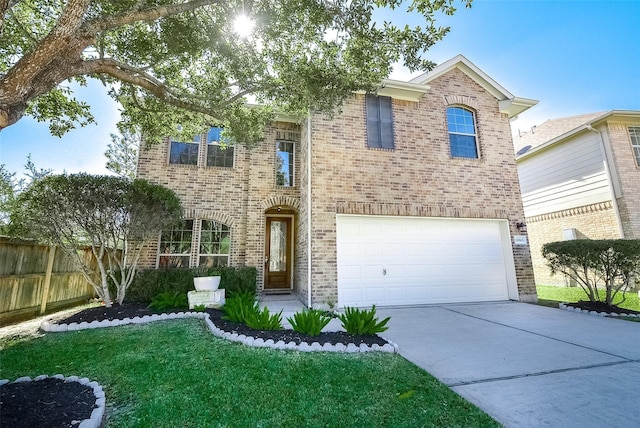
<point>419,177</point>
<point>596,221</point>
<point>237,197</point>
<point>628,176</point>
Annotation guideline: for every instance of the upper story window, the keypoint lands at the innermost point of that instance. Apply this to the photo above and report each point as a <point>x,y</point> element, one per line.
<point>379,122</point>
<point>175,246</point>
<point>634,133</point>
<point>215,239</point>
<point>462,132</point>
<point>285,163</point>
<point>218,154</point>
<point>184,153</point>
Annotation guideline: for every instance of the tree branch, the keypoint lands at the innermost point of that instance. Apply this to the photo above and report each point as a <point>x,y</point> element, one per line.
<point>136,14</point>
<point>133,76</point>
<point>15,84</point>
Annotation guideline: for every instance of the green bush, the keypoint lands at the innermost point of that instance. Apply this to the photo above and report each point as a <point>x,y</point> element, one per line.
<point>238,307</point>
<point>309,322</point>
<point>362,321</point>
<point>264,320</point>
<point>151,282</point>
<point>169,300</point>
<point>609,263</point>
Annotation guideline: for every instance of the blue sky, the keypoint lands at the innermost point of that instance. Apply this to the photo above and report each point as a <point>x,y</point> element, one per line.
<point>574,56</point>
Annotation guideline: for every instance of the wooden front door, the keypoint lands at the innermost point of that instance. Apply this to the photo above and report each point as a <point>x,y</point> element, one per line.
<point>278,253</point>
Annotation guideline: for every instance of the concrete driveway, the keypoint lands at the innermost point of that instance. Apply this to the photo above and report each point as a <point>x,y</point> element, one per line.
<point>527,365</point>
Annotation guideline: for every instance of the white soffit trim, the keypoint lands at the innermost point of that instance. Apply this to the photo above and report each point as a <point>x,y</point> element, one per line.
<point>509,103</point>
<point>400,90</point>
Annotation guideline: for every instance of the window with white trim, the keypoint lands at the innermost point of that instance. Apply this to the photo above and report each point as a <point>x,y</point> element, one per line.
<point>175,246</point>
<point>379,113</point>
<point>634,133</point>
<point>285,163</point>
<point>218,153</point>
<point>215,240</point>
<point>463,140</point>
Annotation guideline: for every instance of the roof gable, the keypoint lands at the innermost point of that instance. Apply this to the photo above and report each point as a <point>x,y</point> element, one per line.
<point>508,103</point>
<point>555,130</point>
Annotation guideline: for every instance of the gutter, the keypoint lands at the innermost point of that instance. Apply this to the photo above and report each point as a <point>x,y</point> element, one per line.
<point>309,210</point>
<point>614,199</point>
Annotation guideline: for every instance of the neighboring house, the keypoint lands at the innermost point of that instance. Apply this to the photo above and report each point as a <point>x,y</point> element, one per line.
<point>580,178</point>
<point>406,197</point>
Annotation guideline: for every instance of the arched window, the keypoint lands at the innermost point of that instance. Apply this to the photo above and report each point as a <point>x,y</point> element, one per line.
<point>463,139</point>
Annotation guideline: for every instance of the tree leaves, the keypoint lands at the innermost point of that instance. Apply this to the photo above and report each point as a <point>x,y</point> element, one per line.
<point>177,64</point>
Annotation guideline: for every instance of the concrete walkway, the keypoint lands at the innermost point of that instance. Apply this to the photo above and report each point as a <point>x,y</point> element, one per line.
<point>527,365</point>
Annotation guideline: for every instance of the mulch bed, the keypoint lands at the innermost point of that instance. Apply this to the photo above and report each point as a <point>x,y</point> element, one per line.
<point>47,403</point>
<point>52,403</point>
<point>602,307</point>
<point>131,310</point>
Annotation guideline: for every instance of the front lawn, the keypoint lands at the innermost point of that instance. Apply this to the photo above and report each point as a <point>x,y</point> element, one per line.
<point>175,373</point>
<point>549,295</point>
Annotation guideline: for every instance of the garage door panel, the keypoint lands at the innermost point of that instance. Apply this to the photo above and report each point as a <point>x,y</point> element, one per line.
<point>426,260</point>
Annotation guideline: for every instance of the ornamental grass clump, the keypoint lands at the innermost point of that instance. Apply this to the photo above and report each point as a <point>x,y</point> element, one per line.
<point>238,307</point>
<point>362,321</point>
<point>310,322</point>
<point>263,320</point>
<point>169,300</point>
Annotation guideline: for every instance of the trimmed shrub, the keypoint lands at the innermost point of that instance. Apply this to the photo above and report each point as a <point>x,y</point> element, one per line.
<point>151,282</point>
<point>608,263</point>
<point>309,322</point>
<point>361,321</point>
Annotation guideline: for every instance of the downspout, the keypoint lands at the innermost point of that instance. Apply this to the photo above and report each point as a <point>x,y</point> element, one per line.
<point>309,210</point>
<point>614,199</point>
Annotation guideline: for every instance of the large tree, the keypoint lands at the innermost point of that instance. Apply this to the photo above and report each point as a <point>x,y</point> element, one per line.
<point>176,65</point>
<point>114,216</point>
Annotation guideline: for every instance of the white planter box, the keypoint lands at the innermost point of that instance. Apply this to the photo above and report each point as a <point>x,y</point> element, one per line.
<point>210,299</point>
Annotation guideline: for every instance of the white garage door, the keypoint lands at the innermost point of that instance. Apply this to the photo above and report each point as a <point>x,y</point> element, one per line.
<point>414,260</point>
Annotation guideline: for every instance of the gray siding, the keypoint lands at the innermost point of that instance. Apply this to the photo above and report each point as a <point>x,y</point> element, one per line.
<point>570,175</point>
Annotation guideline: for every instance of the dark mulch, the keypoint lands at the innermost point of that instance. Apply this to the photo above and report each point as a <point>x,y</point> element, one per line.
<point>131,310</point>
<point>602,307</point>
<point>45,403</point>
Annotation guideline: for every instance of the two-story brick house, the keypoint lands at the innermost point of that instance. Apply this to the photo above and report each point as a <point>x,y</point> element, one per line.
<point>406,197</point>
<point>580,178</point>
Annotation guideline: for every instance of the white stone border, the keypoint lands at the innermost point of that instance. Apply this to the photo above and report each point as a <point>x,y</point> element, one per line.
<point>566,307</point>
<point>246,340</point>
<point>97,414</point>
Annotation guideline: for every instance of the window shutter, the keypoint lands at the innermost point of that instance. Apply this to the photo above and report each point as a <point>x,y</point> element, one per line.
<point>373,122</point>
<point>386,122</point>
<point>379,122</point>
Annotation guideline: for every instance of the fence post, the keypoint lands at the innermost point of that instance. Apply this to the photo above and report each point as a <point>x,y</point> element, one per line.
<point>47,279</point>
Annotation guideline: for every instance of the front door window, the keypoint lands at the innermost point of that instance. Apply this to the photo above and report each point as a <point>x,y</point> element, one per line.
<point>278,257</point>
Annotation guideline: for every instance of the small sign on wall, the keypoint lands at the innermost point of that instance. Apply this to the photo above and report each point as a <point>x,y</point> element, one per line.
<point>520,240</point>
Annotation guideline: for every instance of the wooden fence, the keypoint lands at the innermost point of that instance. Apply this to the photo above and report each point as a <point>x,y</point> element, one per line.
<point>35,279</point>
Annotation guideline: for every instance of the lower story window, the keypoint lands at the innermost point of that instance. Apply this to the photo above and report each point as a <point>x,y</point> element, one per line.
<point>214,244</point>
<point>175,246</point>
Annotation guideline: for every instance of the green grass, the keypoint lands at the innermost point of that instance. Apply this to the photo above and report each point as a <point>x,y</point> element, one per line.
<point>175,373</point>
<point>549,295</point>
